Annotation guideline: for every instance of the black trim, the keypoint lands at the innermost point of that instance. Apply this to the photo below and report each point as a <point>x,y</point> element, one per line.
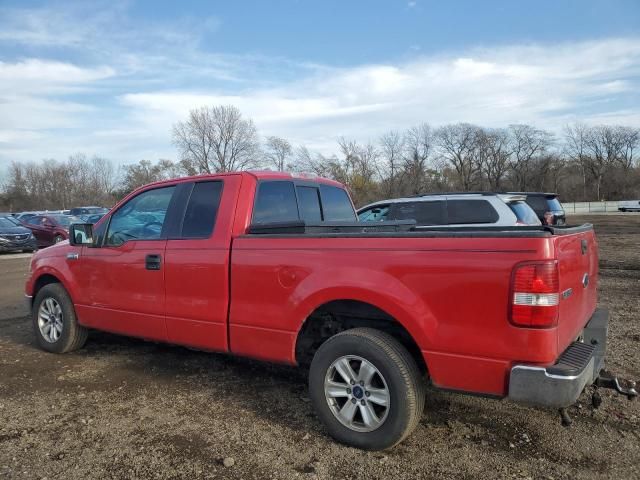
<point>177,207</point>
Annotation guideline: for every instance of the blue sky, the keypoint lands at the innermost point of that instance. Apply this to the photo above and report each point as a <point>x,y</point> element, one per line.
<point>110,78</point>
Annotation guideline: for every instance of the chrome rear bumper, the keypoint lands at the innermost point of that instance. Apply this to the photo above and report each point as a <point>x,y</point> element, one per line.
<point>561,384</point>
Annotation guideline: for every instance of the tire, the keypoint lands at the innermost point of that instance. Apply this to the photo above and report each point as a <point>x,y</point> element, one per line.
<point>70,335</point>
<point>396,370</point>
<point>58,239</point>
<point>28,251</point>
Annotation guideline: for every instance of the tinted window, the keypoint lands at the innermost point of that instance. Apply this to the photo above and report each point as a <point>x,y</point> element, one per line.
<point>553,204</point>
<point>524,213</point>
<point>424,213</point>
<point>202,210</point>
<point>470,211</point>
<point>141,218</point>
<point>336,204</point>
<point>309,204</point>
<point>539,204</point>
<point>276,202</point>
<point>374,214</point>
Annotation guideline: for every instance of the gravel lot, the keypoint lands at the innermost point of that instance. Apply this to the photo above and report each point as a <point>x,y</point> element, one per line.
<point>123,408</point>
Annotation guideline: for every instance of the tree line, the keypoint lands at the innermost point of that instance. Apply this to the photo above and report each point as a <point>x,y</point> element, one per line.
<point>583,163</point>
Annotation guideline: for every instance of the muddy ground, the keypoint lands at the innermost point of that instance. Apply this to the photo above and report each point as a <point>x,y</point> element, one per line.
<point>123,408</point>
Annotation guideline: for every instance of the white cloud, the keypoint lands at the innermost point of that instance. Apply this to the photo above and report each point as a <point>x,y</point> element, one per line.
<point>546,85</point>
<point>535,84</point>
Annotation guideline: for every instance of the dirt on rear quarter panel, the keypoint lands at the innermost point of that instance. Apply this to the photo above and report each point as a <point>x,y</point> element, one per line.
<point>123,408</point>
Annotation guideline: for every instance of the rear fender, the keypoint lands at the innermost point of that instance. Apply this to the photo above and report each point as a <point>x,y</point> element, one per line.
<point>363,285</point>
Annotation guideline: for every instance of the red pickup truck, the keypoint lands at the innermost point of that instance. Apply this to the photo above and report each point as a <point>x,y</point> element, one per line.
<point>275,267</point>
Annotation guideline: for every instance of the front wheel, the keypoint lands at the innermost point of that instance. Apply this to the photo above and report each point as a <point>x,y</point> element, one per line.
<point>366,388</point>
<point>54,321</point>
<point>58,239</point>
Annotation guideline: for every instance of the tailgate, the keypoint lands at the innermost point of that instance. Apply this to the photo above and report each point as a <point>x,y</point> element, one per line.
<point>577,255</point>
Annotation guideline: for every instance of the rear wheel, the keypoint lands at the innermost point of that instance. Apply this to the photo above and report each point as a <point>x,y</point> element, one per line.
<point>54,321</point>
<point>366,388</point>
<point>58,239</point>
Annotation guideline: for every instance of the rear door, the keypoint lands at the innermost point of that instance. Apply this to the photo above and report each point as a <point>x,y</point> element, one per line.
<point>577,256</point>
<point>197,263</point>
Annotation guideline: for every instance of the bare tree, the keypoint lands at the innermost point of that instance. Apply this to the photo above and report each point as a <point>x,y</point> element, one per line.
<point>391,158</point>
<point>276,152</point>
<point>575,146</point>
<point>607,146</point>
<point>457,144</point>
<point>495,152</point>
<point>527,144</point>
<point>216,139</point>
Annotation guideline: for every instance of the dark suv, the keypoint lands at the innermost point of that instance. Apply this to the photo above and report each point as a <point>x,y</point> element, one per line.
<point>547,207</point>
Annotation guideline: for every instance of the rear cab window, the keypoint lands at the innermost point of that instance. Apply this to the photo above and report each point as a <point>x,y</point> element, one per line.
<point>281,201</point>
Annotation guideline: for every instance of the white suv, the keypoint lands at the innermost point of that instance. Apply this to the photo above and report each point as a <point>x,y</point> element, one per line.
<point>454,210</point>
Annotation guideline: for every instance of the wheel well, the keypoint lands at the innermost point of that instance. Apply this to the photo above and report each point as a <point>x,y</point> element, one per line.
<point>43,280</point>
<point>339,315</point>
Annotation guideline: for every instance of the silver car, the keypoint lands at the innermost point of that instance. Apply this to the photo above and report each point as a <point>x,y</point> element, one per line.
<point>454,210</point>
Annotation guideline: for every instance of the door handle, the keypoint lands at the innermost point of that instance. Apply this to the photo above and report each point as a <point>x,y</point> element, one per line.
<point>153,261</point>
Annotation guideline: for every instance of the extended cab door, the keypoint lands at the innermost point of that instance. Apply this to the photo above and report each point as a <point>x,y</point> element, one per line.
<point>197,264</point>
<point>122,279</point>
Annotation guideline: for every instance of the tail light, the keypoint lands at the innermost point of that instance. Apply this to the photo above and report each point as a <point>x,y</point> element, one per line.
<point>534,295</point>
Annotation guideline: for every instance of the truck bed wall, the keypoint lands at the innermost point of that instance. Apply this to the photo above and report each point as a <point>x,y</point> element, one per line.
<point>451,295</point>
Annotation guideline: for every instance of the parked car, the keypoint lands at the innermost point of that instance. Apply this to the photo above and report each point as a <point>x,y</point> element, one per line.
<point>24,216</point>
<point>547,207</point>
<point>15,238</point>
<point>50,229</point>
<point>629,206</point>
<point>87,211</point>
<point>275,267</point>
<point>454,210</point>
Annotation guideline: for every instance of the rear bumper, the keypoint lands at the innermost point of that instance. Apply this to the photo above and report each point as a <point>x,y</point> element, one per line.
<point>561,384</point>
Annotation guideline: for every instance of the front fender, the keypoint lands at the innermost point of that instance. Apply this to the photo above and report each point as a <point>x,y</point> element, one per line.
<point>56,267</point>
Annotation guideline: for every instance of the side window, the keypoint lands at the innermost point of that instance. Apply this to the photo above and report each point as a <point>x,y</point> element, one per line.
<point>471,211</point>
<point>34,220</point>
<point>202,210</point>
<point>336,204</point>
<point>275,202</point>
<point>309,204</point>
<point>424,213</point>
<point>374,214</point>
<point>141,218</point>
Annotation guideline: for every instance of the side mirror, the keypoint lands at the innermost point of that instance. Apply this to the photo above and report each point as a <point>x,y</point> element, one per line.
<point>81,234</point>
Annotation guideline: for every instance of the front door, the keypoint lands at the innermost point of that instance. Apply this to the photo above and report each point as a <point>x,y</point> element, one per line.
<point>124,285</point>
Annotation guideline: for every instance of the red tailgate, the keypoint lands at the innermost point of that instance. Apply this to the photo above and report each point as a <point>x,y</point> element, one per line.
<point>577,256</point>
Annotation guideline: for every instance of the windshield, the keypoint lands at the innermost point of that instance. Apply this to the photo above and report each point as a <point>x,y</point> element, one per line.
<point>6,223</point>
<point>65,220</point>
<point>524,213</point>
<point>13,220</point>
